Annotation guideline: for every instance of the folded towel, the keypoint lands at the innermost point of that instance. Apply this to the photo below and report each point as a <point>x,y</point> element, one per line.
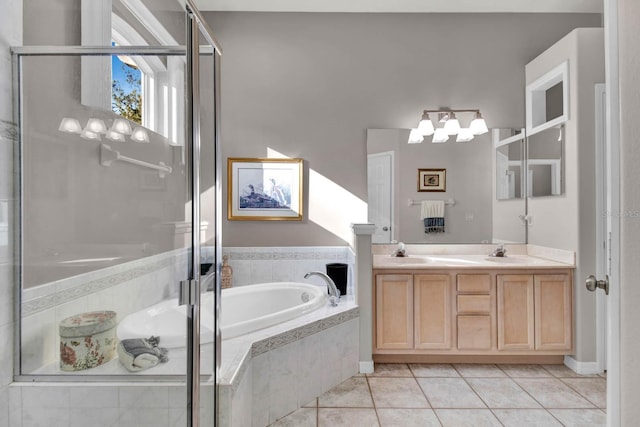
<point>432,214</point>
<point>137,354</point>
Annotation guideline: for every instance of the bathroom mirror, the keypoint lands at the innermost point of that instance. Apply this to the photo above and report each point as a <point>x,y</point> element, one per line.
<point>395,202</point>
<point>509,163</point>
<point>545,162</point>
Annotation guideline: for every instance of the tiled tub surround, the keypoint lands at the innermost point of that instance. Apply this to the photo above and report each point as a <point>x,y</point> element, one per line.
<point>135,285</point>
<point>286,264</point>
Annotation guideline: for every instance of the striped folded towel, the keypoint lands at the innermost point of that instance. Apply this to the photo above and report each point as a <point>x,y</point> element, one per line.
<point>432,213</point>
<point>138,354</point>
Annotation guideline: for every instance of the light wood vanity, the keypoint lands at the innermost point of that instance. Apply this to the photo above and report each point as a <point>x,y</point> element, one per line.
<point>511,311</point>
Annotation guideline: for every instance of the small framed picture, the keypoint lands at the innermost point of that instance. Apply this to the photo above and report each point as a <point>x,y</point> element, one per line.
<point>264,189</point>
<point>432,179</point>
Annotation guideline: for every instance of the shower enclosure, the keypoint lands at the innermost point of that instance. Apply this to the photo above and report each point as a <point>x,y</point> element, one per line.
<point>119,203</point>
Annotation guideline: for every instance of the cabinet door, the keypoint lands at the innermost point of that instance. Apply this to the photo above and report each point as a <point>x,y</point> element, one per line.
<point>394,311</point>
<point>515,312</point>
<point>474,332</point>
<point>553,312</point>
<point>432,311</point>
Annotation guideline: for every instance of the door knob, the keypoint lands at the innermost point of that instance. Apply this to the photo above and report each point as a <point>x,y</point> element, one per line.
<point>385,228</point>
<point>592,283</point>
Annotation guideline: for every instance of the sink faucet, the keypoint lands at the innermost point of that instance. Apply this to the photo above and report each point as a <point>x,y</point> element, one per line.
<point>334,293</point>
<point>499,252</point>
<point>399,252</point>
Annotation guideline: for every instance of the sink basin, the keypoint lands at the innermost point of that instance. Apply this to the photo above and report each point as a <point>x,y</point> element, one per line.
<point>505,260</point>
<point>407,260</point>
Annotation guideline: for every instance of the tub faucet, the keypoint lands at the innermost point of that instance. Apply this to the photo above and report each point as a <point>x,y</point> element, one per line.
<point>499,252</point>
<point>334,293</point>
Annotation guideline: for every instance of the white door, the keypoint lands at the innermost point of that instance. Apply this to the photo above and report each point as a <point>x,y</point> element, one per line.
<point>603,268</point>
<point>380,183</point>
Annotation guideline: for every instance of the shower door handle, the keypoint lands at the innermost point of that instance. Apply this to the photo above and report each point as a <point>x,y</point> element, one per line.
<point>188,292</point>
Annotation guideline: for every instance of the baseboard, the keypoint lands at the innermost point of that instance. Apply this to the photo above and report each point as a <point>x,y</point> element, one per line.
<point>366,367</point>
<point>582,368</point>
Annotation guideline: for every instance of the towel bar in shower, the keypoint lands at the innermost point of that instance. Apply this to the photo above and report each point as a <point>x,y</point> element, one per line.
<point>108,155</point>
<point>449,202</point>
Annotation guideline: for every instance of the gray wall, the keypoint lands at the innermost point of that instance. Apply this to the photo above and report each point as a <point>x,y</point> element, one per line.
<point>574,230</point>
<point>309,85</point>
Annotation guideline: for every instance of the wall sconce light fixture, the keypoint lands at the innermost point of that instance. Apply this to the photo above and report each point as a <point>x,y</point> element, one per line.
<point>451,126</point>
<point>96,127</point>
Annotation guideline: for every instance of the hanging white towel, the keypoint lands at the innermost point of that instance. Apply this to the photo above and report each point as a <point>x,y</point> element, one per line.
<point>432,209</point>
<point>432,215</point>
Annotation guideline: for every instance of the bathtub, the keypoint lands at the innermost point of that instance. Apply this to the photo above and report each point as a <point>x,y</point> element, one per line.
<point>243,310</point>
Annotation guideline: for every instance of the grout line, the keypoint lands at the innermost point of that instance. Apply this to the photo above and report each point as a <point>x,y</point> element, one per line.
<point>580,394</point>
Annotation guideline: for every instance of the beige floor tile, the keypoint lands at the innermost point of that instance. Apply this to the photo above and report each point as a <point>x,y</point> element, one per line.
<point>303,417</point>
<point>562,371</point>
<point>449,393</point>
<point>391,370</point>
<point>311,404</point>
<point>467,418</point>
<point>352,393</point>
<point>525,371</point>
<point>552,393</point>
<point>392,417</point>
<point>433,370</point>
<point>347,417</point>
<point>502,393</point>
<point>397,393</point>
<point>580,417</point>
<point>526,418</point>
<point>593,389</point>
<point>473,370</point>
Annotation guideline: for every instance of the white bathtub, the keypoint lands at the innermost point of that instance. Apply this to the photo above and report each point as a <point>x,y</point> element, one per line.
<point>243,310</point>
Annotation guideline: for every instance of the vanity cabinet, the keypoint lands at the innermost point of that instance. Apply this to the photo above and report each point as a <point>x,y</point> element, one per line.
<point>534,312</point>
<point>489,313</point>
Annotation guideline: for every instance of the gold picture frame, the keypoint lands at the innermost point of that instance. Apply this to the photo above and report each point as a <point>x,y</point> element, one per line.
<point>264,189</point>
<point>432,180</point>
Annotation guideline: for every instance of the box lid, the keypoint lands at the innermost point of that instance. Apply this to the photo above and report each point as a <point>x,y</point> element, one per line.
<point>85,324</point>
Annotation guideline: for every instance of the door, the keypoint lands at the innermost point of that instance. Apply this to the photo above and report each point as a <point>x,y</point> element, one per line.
<point>602,226</point>
<point>380,183</point>
<point>432,306</point>
<point>515,312</point>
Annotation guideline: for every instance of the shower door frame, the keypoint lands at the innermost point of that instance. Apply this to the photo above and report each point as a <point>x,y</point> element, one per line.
<point>196,27</point>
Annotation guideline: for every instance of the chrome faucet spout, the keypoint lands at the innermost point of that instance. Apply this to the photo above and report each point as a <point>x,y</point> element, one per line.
<point>334,293</point>
<point>499,252</point>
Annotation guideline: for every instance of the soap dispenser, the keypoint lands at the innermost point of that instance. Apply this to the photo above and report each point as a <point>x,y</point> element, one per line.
<point>227,273</point>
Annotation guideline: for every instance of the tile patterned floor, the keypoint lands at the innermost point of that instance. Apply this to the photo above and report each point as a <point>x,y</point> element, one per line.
<point>401,395</point>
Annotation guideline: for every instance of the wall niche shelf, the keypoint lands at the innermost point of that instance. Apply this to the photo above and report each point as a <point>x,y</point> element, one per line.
<point>547,100</point>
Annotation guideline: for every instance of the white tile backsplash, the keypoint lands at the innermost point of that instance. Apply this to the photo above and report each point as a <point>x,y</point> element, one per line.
<point>286,264</point>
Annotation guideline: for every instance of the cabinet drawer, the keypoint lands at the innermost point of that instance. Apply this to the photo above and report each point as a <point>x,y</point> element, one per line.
<point>474,304</point>
<point>474,283</point>
<point>474,332</point>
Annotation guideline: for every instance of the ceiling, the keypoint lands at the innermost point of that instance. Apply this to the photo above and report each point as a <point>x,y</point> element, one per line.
<point>405,6</point>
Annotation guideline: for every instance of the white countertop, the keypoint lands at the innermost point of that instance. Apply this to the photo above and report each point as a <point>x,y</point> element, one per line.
<point>464,261</point>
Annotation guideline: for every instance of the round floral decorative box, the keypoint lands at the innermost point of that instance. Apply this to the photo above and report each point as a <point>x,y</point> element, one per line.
<point>87,340</point>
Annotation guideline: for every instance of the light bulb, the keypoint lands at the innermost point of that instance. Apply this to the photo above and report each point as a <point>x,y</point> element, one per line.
<point>425,126</point>
<point>121,126</point>
<point>139,134</point>
<point>114,136</point>
<point>96,126</point>
<point>452,126</point>
<point>92,136</point>
<point>478,125</point>
<point>70,125</point>
<point>415,137</point>
<point>440,136</point>
<point>465,135</point>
